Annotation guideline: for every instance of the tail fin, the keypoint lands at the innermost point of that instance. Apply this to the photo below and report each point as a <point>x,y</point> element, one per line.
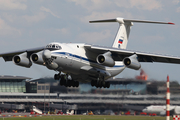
<point>122,36</point>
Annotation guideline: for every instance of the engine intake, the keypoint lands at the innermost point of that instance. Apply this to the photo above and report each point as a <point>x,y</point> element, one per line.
<point>22,60</point>
<point>37,58</point>
<point>132,62</point>
<point>105,59</point>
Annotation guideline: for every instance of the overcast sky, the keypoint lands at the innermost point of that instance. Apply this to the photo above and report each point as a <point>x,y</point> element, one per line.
<point>35,23</point>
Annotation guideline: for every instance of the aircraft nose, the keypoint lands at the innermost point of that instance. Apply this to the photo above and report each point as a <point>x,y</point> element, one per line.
<point>50,64</point>
<point>46,54</point>
<point>144,110</point>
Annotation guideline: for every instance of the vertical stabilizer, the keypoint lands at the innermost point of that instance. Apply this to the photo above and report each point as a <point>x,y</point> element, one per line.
<point>122,36</point>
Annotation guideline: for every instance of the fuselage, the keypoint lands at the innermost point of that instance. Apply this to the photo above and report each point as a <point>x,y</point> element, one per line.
<point>72,58</point>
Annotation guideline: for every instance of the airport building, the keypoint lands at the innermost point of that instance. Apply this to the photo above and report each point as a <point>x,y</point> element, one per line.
<point>21,93</point>
<point>13,84</point>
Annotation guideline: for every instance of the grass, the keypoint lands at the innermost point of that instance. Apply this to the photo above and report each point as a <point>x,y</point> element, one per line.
<point>87,117</point>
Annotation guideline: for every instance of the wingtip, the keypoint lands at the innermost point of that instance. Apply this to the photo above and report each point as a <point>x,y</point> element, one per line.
<point>171,23</point>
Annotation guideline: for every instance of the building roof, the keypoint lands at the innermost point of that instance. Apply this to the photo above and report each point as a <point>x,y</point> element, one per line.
<point>8,77</point>
<point>125,81</point>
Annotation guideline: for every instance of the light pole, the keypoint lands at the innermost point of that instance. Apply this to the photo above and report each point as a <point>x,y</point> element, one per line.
<point>49,97</point>
<point>44,97</point>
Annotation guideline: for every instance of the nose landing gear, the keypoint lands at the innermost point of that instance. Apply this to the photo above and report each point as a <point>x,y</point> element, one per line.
<point>57,76</point>
<point>65,81</point>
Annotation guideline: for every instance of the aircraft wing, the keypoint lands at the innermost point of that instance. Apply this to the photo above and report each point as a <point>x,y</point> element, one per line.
<point>8,56</point>
<point>120,54</point>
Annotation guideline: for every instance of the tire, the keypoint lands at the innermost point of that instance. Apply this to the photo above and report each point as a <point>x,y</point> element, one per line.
<point>103,84</point>
<point>92,83</point>
<point>73,83</point>
<point>76,83</point>
<point>69,83</point>
<point>61,82</point>
<point>56,77</point>
<point>107,84</point>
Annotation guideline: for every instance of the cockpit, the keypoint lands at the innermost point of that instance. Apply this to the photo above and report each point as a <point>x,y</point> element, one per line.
<point>53,46</point>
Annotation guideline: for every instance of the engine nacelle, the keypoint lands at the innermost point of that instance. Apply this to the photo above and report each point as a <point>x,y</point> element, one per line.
<point>37,58</point>
<point>132,62</point>
<point>177,110</point>
<point>105,59</point>
<point>22,60</point>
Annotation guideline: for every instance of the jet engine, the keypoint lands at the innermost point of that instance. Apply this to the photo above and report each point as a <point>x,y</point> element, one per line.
<point>105,59</point>
<point>177,110</point>
<point>22,60</point>
<point>37,58</point>
<point>132,62</point>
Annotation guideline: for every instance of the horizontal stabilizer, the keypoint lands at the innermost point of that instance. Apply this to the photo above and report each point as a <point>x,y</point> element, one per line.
<point>144,21</point>
<point>122,20</point>
<point>122,36</point>
<point>108,20</point>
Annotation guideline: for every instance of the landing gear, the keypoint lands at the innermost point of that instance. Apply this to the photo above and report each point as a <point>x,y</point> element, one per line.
<point>65,81</point>
<point>57,76</point>
<point>72,83</point>
<point>100,83</point>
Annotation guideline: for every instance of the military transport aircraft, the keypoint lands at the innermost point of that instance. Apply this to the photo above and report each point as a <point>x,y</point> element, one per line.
<point>86,62</point>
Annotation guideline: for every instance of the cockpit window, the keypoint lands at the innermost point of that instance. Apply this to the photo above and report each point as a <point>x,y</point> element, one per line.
<point>53,46</point>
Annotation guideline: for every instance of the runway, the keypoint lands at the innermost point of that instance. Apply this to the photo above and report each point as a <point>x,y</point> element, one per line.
<point>26,116</point>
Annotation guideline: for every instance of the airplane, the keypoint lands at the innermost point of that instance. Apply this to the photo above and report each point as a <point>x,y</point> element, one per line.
<point>82,62</point>
<point>161,109</point>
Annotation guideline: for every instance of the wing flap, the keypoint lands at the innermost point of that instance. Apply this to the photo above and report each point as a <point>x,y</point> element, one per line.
<point>149,57</point>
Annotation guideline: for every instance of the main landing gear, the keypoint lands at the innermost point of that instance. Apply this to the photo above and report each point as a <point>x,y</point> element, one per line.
<point>65,81</point>
<point>100,83</point>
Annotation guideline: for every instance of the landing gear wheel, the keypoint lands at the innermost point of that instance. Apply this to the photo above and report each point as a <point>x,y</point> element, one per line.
<point>76,83</point>
<point>69,83</point>
<point>61,82</point>
<point>107,84</point>
<point>73,83</point>
<point>93,83</point>
<point>56,76</point>
<point>103,84</point>
<point>100,84</point>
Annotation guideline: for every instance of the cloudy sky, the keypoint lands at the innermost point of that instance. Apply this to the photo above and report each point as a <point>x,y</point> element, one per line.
<point>34,23</point>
